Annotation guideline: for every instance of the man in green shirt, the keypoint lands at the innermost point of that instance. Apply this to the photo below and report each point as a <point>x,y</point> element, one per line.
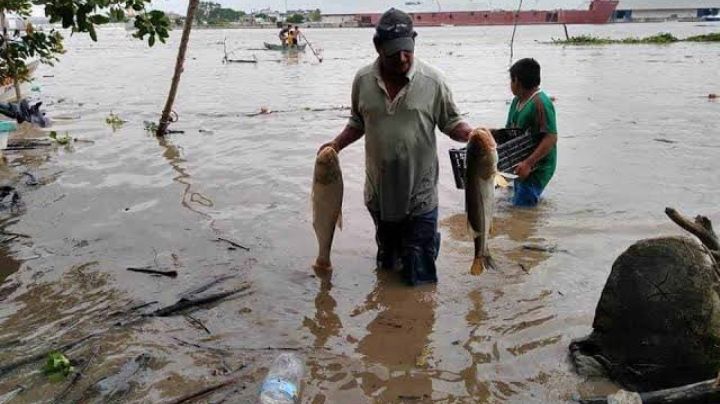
<point>397,102</point>
<point>532,109</point>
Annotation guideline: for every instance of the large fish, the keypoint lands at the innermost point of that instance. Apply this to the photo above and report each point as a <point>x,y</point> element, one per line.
<point>327,196</point>
<point>482,159</point>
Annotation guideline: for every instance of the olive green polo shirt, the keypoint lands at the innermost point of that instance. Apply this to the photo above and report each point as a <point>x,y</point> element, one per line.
<point>400,146</point>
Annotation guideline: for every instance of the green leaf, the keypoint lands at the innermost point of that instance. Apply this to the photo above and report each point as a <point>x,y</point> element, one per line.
<point>99,19</point>
<point>151,40</point>
<point>58,365</point>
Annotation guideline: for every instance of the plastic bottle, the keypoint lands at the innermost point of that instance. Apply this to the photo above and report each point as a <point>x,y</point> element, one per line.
<point>282,383</point>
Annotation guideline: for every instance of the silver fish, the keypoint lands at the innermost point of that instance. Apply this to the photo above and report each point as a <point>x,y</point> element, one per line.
<point>482,159</point>
<point>327,197</point>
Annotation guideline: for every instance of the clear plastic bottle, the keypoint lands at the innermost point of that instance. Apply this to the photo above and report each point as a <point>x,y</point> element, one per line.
<point>282,383</point>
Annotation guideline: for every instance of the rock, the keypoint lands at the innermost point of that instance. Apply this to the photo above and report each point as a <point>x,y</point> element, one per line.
<point>657,324</point>
<point>624,397</point>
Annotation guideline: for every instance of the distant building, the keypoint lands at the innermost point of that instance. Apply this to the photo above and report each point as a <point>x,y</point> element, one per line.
<point>341,20</point>
<point>665,10</point>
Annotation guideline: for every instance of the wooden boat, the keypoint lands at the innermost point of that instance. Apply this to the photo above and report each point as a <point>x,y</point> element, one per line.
<point>298,48</point>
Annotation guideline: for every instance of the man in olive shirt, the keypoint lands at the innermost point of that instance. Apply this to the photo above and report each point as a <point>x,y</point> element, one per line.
<point>397,102</point>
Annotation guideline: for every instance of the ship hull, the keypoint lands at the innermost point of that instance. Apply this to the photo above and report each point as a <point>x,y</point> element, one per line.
<point>599,12</point>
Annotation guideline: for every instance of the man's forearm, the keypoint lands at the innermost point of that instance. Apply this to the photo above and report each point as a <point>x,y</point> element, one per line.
<point>546,144</point>
<point>348,136</point>
<point>461,132</point>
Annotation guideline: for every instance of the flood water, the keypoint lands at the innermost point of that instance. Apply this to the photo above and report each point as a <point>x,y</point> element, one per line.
<point>637,134</point>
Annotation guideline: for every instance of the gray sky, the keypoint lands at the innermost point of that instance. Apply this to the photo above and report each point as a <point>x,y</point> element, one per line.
<point>346,6</point>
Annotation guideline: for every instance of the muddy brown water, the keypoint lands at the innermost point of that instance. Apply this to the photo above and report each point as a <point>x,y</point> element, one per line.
<point>637,133</point>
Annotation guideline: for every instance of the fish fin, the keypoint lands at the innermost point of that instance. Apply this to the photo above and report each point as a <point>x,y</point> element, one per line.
<point>339,221</point>
<point>481,263</point>
<point>478,266</point>
<point>489,262</point>
<point>501,181</point>
<point>322,264</point>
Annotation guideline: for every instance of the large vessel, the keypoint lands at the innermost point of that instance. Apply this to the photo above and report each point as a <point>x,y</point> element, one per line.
<point>599,12</point>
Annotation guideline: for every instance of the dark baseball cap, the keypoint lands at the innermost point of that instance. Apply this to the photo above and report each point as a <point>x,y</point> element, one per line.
<point>394,32</point>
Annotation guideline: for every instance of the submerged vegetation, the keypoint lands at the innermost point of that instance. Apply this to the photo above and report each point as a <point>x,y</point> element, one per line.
<point>57,367</point>
<point>114,121</point>
<point>660,39</point>
<point>713,37</point>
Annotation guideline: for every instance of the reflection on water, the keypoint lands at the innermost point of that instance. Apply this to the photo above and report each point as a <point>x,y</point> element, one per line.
<point>189,197</point>
<point>396,345</point>
<point>479,347</point>
<point>326,323</point>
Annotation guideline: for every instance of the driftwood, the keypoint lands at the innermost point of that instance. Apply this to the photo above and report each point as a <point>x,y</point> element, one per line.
<point>185,303</point>
<point>232,243</point>
<point>146,270</point>
<point>206,286</point>
<point>134,308</point>
<point>205,392</point>
<point>196,323</point>
<point>706,391</point>
<point>700,228</point>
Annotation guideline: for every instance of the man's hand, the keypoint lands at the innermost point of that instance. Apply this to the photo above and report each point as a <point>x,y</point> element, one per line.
<point>332,144</point>
<point>461,132</point>
<point>523,170</point>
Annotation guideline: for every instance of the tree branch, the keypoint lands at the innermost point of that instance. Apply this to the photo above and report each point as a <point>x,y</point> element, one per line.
<point>700,228</point>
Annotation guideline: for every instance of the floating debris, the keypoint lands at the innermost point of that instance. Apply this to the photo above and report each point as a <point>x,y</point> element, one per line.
<point>150,126</point>
<point>114,121</point>
<point>63,140</point>
<point>57,367</point>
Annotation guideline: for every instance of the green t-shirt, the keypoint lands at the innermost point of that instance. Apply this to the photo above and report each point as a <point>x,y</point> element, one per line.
<point>538,115</point>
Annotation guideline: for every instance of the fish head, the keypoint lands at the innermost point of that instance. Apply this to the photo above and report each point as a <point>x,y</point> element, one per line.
<point>327,155</point>
<point>483,138</point>
<point>327,166</point>
<point>483,149</point>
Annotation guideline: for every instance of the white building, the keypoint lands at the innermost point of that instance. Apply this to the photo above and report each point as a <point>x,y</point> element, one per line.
<point>665,10</point>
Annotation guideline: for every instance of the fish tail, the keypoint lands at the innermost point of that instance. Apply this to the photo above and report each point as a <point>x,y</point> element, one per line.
<point>478,266</point>
<point>322,263</point>
<point>481,263</point>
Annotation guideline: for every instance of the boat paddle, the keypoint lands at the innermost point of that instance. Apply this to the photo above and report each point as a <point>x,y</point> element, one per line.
<point>311,47</point>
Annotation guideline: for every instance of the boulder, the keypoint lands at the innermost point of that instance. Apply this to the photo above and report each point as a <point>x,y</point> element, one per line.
<point>657,324</point>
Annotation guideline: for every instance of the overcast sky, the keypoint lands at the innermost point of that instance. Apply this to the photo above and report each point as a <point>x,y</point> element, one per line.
<point>348,6</point>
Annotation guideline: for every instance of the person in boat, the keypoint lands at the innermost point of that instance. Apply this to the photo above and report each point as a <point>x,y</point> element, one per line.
<point>283,35</point>
<point>532,109</point>
<point>296,35</point>
<point>397,102</point>
<point>291,38</point>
